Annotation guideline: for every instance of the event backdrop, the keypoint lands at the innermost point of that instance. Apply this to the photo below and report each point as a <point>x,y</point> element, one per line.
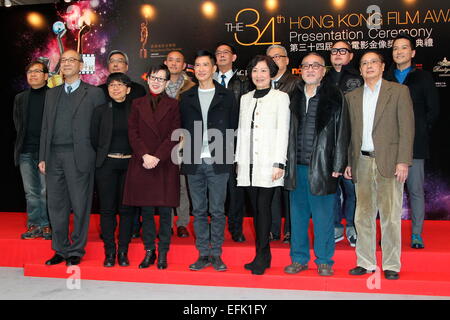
<point>148,30</point>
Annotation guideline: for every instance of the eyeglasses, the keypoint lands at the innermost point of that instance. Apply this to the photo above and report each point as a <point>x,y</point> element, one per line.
<point>69,60</point>
<point>218,53</point>
<point>116,85</point>
<point>117,61</point>
<point>277,56</point>
<point>314,66</point>
<point>158,79</point>
<point>341,51</point>
<point>35,71</point>
<point>366,63</point>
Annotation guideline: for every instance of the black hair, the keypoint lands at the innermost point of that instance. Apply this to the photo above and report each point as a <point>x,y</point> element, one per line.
<point>157,67</point>
<point>273,68</point>
<point>349,46</point>
<point>223,43</point>
<point>119,77</point>
<point>375,52</point>
<point>403,35</point>
<point>205,53</point>
<point>34,62</point>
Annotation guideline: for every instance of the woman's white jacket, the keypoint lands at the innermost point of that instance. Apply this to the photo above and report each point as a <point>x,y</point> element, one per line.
<point>270,138</point>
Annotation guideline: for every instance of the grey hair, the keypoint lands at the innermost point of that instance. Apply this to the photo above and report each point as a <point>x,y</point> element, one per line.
<point>276,46</point>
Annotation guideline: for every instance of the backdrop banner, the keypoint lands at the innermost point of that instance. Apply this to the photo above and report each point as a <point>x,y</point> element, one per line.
<point>148,30</point>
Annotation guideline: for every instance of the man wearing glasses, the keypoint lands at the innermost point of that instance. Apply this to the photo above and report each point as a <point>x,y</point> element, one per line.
<point>347,78</point>
<point>67,158</point>
<point>227,77</point>
<point>317,155</point>
<point>118,62</point>
<point>284,81</point>
<point>28,110</point>
<point>380,153</point>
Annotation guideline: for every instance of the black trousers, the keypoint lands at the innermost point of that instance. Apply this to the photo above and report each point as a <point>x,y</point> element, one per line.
<point>261,199</point>
<point>110,180</point>
<point>236,206</point>
<point>280,204</point>
<point>149,227</point>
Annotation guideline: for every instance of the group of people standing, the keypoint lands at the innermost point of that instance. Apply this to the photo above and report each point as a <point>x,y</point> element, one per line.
<point>278,139</point>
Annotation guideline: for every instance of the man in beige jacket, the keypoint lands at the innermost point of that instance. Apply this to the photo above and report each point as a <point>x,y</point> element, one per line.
<point>380,153</point>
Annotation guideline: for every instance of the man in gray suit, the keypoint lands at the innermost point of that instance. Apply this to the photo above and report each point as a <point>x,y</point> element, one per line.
<point>67,158</point>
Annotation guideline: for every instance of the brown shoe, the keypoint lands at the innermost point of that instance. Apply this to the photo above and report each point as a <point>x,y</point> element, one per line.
<point>47,233</point>
<point>32,232</point>
<point>295,267</point>
<point>325,270</point>
<point>182,232</point>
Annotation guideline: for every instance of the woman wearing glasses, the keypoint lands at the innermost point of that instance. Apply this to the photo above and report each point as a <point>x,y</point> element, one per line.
<point>153,179</point>
<point>109,137</point>
<point>261,151</point>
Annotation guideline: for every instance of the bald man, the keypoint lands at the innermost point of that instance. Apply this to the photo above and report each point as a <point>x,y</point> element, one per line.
<point>67,158</point>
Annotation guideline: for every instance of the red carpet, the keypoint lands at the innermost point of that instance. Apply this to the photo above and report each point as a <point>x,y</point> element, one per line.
<point>424,272</point>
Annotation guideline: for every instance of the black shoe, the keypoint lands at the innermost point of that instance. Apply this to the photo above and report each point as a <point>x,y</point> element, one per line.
<point>162,260</point>
<point>359,271</point>
<point>110,260</point>
<point>73,261</point>
<point>238,237</point>
<point>201,263</point>
<point>149,259</point>
<point>122,259</point>
<point>135,235</point>
<point>250,266</point>
<point>391,275</point>
<point>273,237</point>
<point>218,264</point>
<point>182,232</point>
<point>287,237</point>
<point>56,259</point>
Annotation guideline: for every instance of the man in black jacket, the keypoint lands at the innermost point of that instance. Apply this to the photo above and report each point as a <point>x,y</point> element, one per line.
<point>284,81</point>
<point>317,155</point>
<point>209,116</point>
<point>346,77</point>
<point>227,77</point>
<point>28,110</point>
<point>425,100</point>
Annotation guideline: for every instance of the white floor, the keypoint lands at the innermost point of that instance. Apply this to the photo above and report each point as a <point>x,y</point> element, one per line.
<point>15,286</point>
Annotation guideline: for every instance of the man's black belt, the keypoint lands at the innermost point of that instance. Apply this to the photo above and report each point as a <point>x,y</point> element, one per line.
<point>368,153</point>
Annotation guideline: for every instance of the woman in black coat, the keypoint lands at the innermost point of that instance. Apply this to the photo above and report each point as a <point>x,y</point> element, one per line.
<point>109,137</point>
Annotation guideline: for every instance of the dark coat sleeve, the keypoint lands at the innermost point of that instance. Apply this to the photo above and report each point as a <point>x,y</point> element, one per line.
<point>342,138</point>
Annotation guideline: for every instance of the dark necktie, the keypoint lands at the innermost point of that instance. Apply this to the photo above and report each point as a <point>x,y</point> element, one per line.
<point>223,80</point>
<point>69,89</point>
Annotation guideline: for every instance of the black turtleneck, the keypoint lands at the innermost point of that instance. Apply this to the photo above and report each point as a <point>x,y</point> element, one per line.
<point>119,139</point>
<point>259,93</point>
<point>35,110</point>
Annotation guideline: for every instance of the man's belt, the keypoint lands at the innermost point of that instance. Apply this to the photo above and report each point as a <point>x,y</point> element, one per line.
<point>368,153</point>
<point>119,155</point>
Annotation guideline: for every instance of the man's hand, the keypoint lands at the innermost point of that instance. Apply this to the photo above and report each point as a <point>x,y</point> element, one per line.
<point>336,174</point>
<point>401,172</point>
<point>348,173</point>
<point>41,167</point>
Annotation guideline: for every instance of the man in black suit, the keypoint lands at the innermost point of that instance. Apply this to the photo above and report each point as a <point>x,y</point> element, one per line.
<point>425,100</point>
<point>208,113</point>
<point>227,77</point>
<point>67,158</point>
<point>118,62</point>
<point>28,110</point>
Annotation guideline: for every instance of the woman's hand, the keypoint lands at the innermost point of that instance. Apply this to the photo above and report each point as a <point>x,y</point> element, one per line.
<point>150,162</point>
<point>277,173</point>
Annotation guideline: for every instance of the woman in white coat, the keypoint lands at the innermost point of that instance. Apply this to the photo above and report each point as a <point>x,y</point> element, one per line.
<point>261,149</point>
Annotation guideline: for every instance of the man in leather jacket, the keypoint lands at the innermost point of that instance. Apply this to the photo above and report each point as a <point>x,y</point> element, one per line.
<point>347,78</point>
<point>317,155</point>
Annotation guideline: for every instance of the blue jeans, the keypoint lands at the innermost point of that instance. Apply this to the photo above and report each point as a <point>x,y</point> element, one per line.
<point>304,205</point>
<point>35,190</point>
<point>349,203</point>
<point>208,188</point>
